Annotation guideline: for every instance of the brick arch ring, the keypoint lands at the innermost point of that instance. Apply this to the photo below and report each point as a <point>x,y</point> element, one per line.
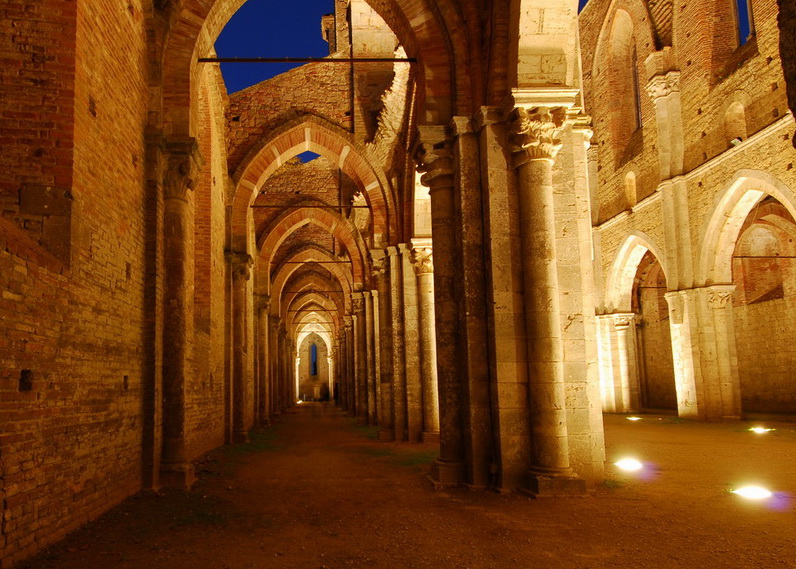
<point>303,285</point>
<point>314,134</point>
<point>304,305</point>
<point>435,33</point>
<point>312,254</point>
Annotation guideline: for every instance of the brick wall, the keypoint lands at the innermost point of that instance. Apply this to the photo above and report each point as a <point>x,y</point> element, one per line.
<point>71,436</point>
<point>37,46</point>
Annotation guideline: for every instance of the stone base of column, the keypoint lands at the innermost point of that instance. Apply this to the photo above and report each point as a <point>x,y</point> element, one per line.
<point>386,435</point>
<point>445,473</point>
<point>552,486</point>
<point>177,476</point>
<point>240,437</point>
<point>432,438</point>
<point>362,420</point>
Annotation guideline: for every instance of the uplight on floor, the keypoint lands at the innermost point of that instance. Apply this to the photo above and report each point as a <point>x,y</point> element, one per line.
<point>760,430</point>
<point>752,492</point>
<point>634,418</point>
<point>629,464</point>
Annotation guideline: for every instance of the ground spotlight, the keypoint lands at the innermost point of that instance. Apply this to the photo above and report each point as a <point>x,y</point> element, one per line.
<point>760,430</point>
<point>752,492</point>
<point>629,464</point>
<point>633,418</point>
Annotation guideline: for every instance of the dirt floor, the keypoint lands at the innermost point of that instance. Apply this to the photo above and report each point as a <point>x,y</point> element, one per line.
<point>316,491</point>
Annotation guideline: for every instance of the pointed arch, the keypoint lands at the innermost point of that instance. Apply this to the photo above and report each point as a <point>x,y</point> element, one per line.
<point>314,134</point>
<point>619,286</point>
<point>731,207</point>
<point>288,222</point>
<point>311,254</point>
<point>434,33</point>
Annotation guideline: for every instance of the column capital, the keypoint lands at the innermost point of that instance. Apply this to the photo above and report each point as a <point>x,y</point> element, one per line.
<point>720,296</point>
<point>379,264</point>
<point>434,157</point>
<point>533,133</point>
<point>357,302</point>
<point>623,320</point>
<point>263,301</point>
<point>183,166</point>
<point>486,116</point>
<point>461,125</point>
<point>422,259</point>
<point>663,85</point>
<point>392,251</point>
<point>241,264</point>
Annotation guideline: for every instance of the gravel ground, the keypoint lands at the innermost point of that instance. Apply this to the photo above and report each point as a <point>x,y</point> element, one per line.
<point>316,491</point>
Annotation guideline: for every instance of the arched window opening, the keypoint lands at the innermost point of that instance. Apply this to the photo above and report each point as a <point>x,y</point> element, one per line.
<point>653,336</point>
<point>735,124</point>
<point>313,359</point>
<point>630,189</point>
<point>636,90</point>
<point>743,20</point>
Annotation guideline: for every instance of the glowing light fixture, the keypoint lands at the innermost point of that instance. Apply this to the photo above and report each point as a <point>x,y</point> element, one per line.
<point>299,402</point>
<point>629,464</point>
<point>760,430</point>
<point>633,418</point>
<point>752,492</point>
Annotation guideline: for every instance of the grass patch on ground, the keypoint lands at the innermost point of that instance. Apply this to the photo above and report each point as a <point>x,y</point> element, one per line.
<point>368,431</point>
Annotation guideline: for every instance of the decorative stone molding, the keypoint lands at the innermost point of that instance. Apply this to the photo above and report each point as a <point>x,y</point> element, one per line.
<point>720,297</point>
<point>358,302</point>
<point>422,259</point>
<point>664,85</point>
<point>182,168</point>
<point>533,133</point>
<point>263,301</point>
<point>623,321</point>
<point>434,157</point>
<point>378,266</point>
<point>241,266</point>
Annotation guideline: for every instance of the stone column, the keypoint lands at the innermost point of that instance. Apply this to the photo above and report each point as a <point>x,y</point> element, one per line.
<point>608,383</point>
<point>386,419</point>
<point>264,397</point>
<point>535,149</point>
<point>180,176</point>
<point>241,273</point>
<point>283,371</point>
<point>398,352</point>
<point>360,359</point>
<point>424,269</point>
<point>726,368</point>
<point>347,364</point>
<point>625,326</point>
<point>435,159</point>
<point>273,366</point>
<point>411,342</point>
<point>371,358</point>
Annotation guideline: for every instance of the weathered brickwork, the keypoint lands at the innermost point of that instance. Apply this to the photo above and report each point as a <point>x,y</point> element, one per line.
<point>255,112</point>
<point>71,339</point>
<point>37,46</point>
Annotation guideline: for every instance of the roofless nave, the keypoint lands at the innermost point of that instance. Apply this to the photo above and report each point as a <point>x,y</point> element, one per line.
<point>546,216</point>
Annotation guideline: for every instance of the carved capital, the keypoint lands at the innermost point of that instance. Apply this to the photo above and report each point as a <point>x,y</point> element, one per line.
<point>534,133</point>
<point>623,321</point>
<point>422,259</point>
<point>263,301</point>
<point>358,303</point>
<point>241,264</point>
<point>434,157</point>
<point>664,85</point>
<point>379,267</point>
<point>720,297</point>
<point>182,170</point>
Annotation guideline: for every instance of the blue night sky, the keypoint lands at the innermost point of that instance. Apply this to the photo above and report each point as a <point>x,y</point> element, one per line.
<point>271,28</point>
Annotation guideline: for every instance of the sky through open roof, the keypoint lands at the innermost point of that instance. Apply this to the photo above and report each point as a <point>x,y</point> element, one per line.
<point>269,28</point>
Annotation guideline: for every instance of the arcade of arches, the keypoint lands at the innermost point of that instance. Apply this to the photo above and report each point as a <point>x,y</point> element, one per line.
<point>521,218</point>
